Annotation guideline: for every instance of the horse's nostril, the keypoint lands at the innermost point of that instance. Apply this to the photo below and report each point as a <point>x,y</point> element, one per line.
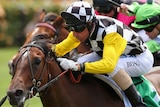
<point>15,93</point>
<point>18,93</point>
<point>15,97</point>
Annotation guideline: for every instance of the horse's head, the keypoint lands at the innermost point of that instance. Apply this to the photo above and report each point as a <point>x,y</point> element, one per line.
<point>50,25</point>
<point>30,71</point>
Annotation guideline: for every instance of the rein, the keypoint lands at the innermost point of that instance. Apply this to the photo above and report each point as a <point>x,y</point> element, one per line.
<point>51,81</point>
<point>3,100</point>
<point>57,77</point>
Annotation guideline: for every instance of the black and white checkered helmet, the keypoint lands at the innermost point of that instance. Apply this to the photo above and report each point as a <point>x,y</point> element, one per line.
<point>79,12</point>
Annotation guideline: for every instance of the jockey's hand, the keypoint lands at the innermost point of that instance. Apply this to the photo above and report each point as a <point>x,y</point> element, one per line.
<point>123,9</point>
<point>69,64</point>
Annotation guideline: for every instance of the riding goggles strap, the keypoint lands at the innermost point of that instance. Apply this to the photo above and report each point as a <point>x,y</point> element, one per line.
<point>149,20</point>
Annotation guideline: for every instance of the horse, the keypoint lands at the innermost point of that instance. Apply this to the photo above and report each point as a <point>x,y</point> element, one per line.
<point>153,76</point>
<point>37,71</point>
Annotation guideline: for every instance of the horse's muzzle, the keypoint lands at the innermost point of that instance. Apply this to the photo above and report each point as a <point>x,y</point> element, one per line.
<point>16,97</point>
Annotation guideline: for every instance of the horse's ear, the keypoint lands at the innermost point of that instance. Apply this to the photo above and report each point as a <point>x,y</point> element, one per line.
<point>42,14</point>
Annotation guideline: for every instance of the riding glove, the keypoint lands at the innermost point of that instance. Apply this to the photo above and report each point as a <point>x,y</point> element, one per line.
<point>68,64</point>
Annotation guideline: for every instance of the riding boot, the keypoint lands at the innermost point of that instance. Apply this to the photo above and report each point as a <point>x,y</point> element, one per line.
<point>124,81</point>
<point>134,97</point>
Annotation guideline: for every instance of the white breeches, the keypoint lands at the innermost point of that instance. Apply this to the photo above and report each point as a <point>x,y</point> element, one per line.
<point>133,65</point>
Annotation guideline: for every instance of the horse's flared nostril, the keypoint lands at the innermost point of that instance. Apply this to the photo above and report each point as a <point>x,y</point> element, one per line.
<point>19,93</point>
<point>15,96</point>
<point>15,93</point>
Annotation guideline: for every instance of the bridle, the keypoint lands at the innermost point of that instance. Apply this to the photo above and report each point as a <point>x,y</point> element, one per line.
<point>37,82</point>
<point>25,48</point>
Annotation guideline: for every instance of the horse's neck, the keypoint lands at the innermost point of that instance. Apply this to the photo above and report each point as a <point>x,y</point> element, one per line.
<point>56,92</point>
<point>62,34</point>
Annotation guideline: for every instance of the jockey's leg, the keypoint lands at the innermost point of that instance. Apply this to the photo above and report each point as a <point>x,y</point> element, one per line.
<point>124,81</point>
<point>132,66</point>
<point>127,66</point>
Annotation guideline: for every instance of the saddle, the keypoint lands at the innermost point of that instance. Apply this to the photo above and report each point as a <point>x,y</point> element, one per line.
<point>144,86</point>
<point>108,80</point>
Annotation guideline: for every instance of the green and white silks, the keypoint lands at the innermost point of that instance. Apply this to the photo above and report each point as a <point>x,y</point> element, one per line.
<point>147,91</point>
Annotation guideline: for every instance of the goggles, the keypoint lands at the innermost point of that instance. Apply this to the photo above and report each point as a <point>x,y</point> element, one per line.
<point>78,28</point>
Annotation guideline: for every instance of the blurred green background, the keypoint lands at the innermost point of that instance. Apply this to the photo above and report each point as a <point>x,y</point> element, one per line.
<point>16,15</point>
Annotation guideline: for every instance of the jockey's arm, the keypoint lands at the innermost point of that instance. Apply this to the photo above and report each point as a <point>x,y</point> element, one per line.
<point>66,45</point>
<point>114,45</point>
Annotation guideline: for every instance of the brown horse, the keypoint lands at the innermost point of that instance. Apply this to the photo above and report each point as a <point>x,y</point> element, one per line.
<point>36,70</point>
<point>53,26</point>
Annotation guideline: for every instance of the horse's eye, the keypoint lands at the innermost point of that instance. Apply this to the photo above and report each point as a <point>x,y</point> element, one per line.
<point>37,61</point>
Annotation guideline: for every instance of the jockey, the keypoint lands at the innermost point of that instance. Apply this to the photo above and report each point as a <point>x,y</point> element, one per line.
<point>117,50</point>
<point>147,19</point>
<point>105,8</point>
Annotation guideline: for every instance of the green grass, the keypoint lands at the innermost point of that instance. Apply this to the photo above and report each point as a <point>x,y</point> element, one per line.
<point>5,78</point>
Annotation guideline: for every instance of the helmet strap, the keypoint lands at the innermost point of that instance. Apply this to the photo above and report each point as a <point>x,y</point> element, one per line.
<point>91,27</point>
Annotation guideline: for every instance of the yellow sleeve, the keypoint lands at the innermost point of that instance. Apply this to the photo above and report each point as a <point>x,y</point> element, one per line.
<point>114,45</point>
<point>66,45</point>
